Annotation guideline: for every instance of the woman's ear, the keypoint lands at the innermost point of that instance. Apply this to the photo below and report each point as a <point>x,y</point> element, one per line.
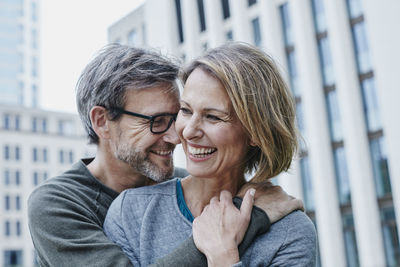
<point>251,143</point>
<point>98,118</point>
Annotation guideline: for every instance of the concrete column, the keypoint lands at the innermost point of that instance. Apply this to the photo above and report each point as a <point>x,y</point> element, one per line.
<point>271,30</point>
<point>161,33</point>
<point>214,19</point>
<point>240,21</point>
<point>365,208</point>
<point>191,28</point>
<point>327,211</point>
<point>384,47</point>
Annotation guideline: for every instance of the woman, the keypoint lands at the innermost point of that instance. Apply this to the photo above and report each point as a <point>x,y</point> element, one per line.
<point>237,117</point>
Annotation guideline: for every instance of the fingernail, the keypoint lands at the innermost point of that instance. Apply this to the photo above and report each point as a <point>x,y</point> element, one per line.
<point>252,192</point>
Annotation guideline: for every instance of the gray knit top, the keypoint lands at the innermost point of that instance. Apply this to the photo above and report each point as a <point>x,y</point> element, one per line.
<point>148,224</point>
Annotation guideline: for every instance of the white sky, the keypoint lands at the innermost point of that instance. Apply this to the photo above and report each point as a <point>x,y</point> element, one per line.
<point>71,32</point>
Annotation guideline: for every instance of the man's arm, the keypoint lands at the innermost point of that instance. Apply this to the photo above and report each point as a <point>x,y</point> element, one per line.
<point>272,200</point>
<point>66,234</point>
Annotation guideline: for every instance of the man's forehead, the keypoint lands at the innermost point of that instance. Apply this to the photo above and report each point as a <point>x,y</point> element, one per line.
<point>152,100</point>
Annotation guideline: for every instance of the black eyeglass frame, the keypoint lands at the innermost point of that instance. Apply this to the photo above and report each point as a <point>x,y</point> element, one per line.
<point>150,118</point>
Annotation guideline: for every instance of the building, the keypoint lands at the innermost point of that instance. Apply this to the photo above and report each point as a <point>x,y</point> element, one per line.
<point>35,145</point>
<point>340,58</point>
<point>19,52</point>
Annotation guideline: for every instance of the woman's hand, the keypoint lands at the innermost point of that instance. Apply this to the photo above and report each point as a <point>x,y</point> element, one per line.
<point>220,228</point>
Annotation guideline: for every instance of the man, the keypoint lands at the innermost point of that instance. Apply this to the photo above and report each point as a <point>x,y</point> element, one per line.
<point>127,100</point>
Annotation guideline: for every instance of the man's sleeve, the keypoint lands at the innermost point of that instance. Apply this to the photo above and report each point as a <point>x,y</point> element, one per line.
<point>66,234</point>
<point>188,255</point>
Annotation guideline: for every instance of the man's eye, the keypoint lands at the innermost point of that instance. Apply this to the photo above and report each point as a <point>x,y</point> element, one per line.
<point>185,111</point>
<point>160,120</point>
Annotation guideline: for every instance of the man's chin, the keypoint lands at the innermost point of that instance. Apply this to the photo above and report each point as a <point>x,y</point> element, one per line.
<point>160,174</point>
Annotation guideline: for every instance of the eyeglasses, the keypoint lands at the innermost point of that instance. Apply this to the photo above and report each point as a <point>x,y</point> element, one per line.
<point>159,123</point>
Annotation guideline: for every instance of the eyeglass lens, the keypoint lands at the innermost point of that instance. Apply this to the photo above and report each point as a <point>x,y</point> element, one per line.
<point>161,123</point>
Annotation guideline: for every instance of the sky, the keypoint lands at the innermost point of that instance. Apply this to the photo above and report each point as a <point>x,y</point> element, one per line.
<point>71,33</point>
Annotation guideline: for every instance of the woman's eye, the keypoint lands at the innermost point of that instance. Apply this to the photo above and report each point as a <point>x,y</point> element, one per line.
<point>213,118</point>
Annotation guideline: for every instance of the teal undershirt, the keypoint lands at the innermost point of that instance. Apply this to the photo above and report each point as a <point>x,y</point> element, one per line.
<point>181,202</point>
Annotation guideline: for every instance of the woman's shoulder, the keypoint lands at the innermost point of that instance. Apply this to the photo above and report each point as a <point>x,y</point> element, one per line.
<point>294,227</point>
<point>164,188</point>
<point>290,241</point>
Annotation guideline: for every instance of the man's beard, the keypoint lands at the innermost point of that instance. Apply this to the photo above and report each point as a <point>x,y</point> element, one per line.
<point>139,160</point>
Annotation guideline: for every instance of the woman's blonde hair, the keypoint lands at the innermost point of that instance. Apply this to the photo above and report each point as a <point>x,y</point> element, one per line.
<point>261,100</point>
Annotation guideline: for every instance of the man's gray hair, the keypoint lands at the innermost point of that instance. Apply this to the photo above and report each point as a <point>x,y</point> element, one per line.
<point>115,69</point>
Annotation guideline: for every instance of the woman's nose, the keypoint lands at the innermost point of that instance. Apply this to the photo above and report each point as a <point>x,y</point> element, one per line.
<point>192,128</point>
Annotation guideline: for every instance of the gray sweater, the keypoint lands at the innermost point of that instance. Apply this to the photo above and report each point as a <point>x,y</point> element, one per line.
<point>66,216</point>
<point>147,224</point>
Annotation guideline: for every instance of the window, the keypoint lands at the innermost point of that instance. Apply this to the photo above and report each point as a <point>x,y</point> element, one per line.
<point>132,38</point>
<point>342,178</point>
<point>355,8</point>
<point>34,67</point>
<point>229,36</point>
<point>6,177</point>
<point>17,177</point>
<point>350,240</point>
<point>35,178</point>
<point>6,121</point>
<point>71,157</point>
<point>390,237</point>
<point>44,151</point>
<point>12,258</point>
<point>17,203</point>
<point>334,116</point>
<point>18,228</point>
<point>39,154</point>
<point>61,156</point>
<point>34,11</point>
<point>308,192</point>
<point>256,32</point>
<point>39,125</point>
<point>34,154</point>
<point>34,39</point>
<point>12,152</point>
<point>225,9</point>
<point>361,47</point>
<point>326,61</point>
<point>294,80</point>
<point>34,96</point>
<point>380,167</point>
<point>7,204</point>
<point>287,28</point>
<point>17,153</point>
<point>65,127</point>
<point>7,230</point>
<point>179,19</point>
<point>371,108</point>
<point>202,18</point>
<point>251,2</point>
<point>299,119</point>
<point>319,15</point>
<point>6,152</point>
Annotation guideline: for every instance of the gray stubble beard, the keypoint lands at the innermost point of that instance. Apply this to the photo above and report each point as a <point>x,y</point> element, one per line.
<point>140,161</point>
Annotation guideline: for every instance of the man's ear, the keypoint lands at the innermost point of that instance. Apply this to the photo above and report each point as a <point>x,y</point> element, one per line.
<point>98,118</point>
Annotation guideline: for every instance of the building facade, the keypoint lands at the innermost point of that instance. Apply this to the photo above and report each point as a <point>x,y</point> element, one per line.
<point>19,52</point>
<point>340,58</point>
<point>35,145</point>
